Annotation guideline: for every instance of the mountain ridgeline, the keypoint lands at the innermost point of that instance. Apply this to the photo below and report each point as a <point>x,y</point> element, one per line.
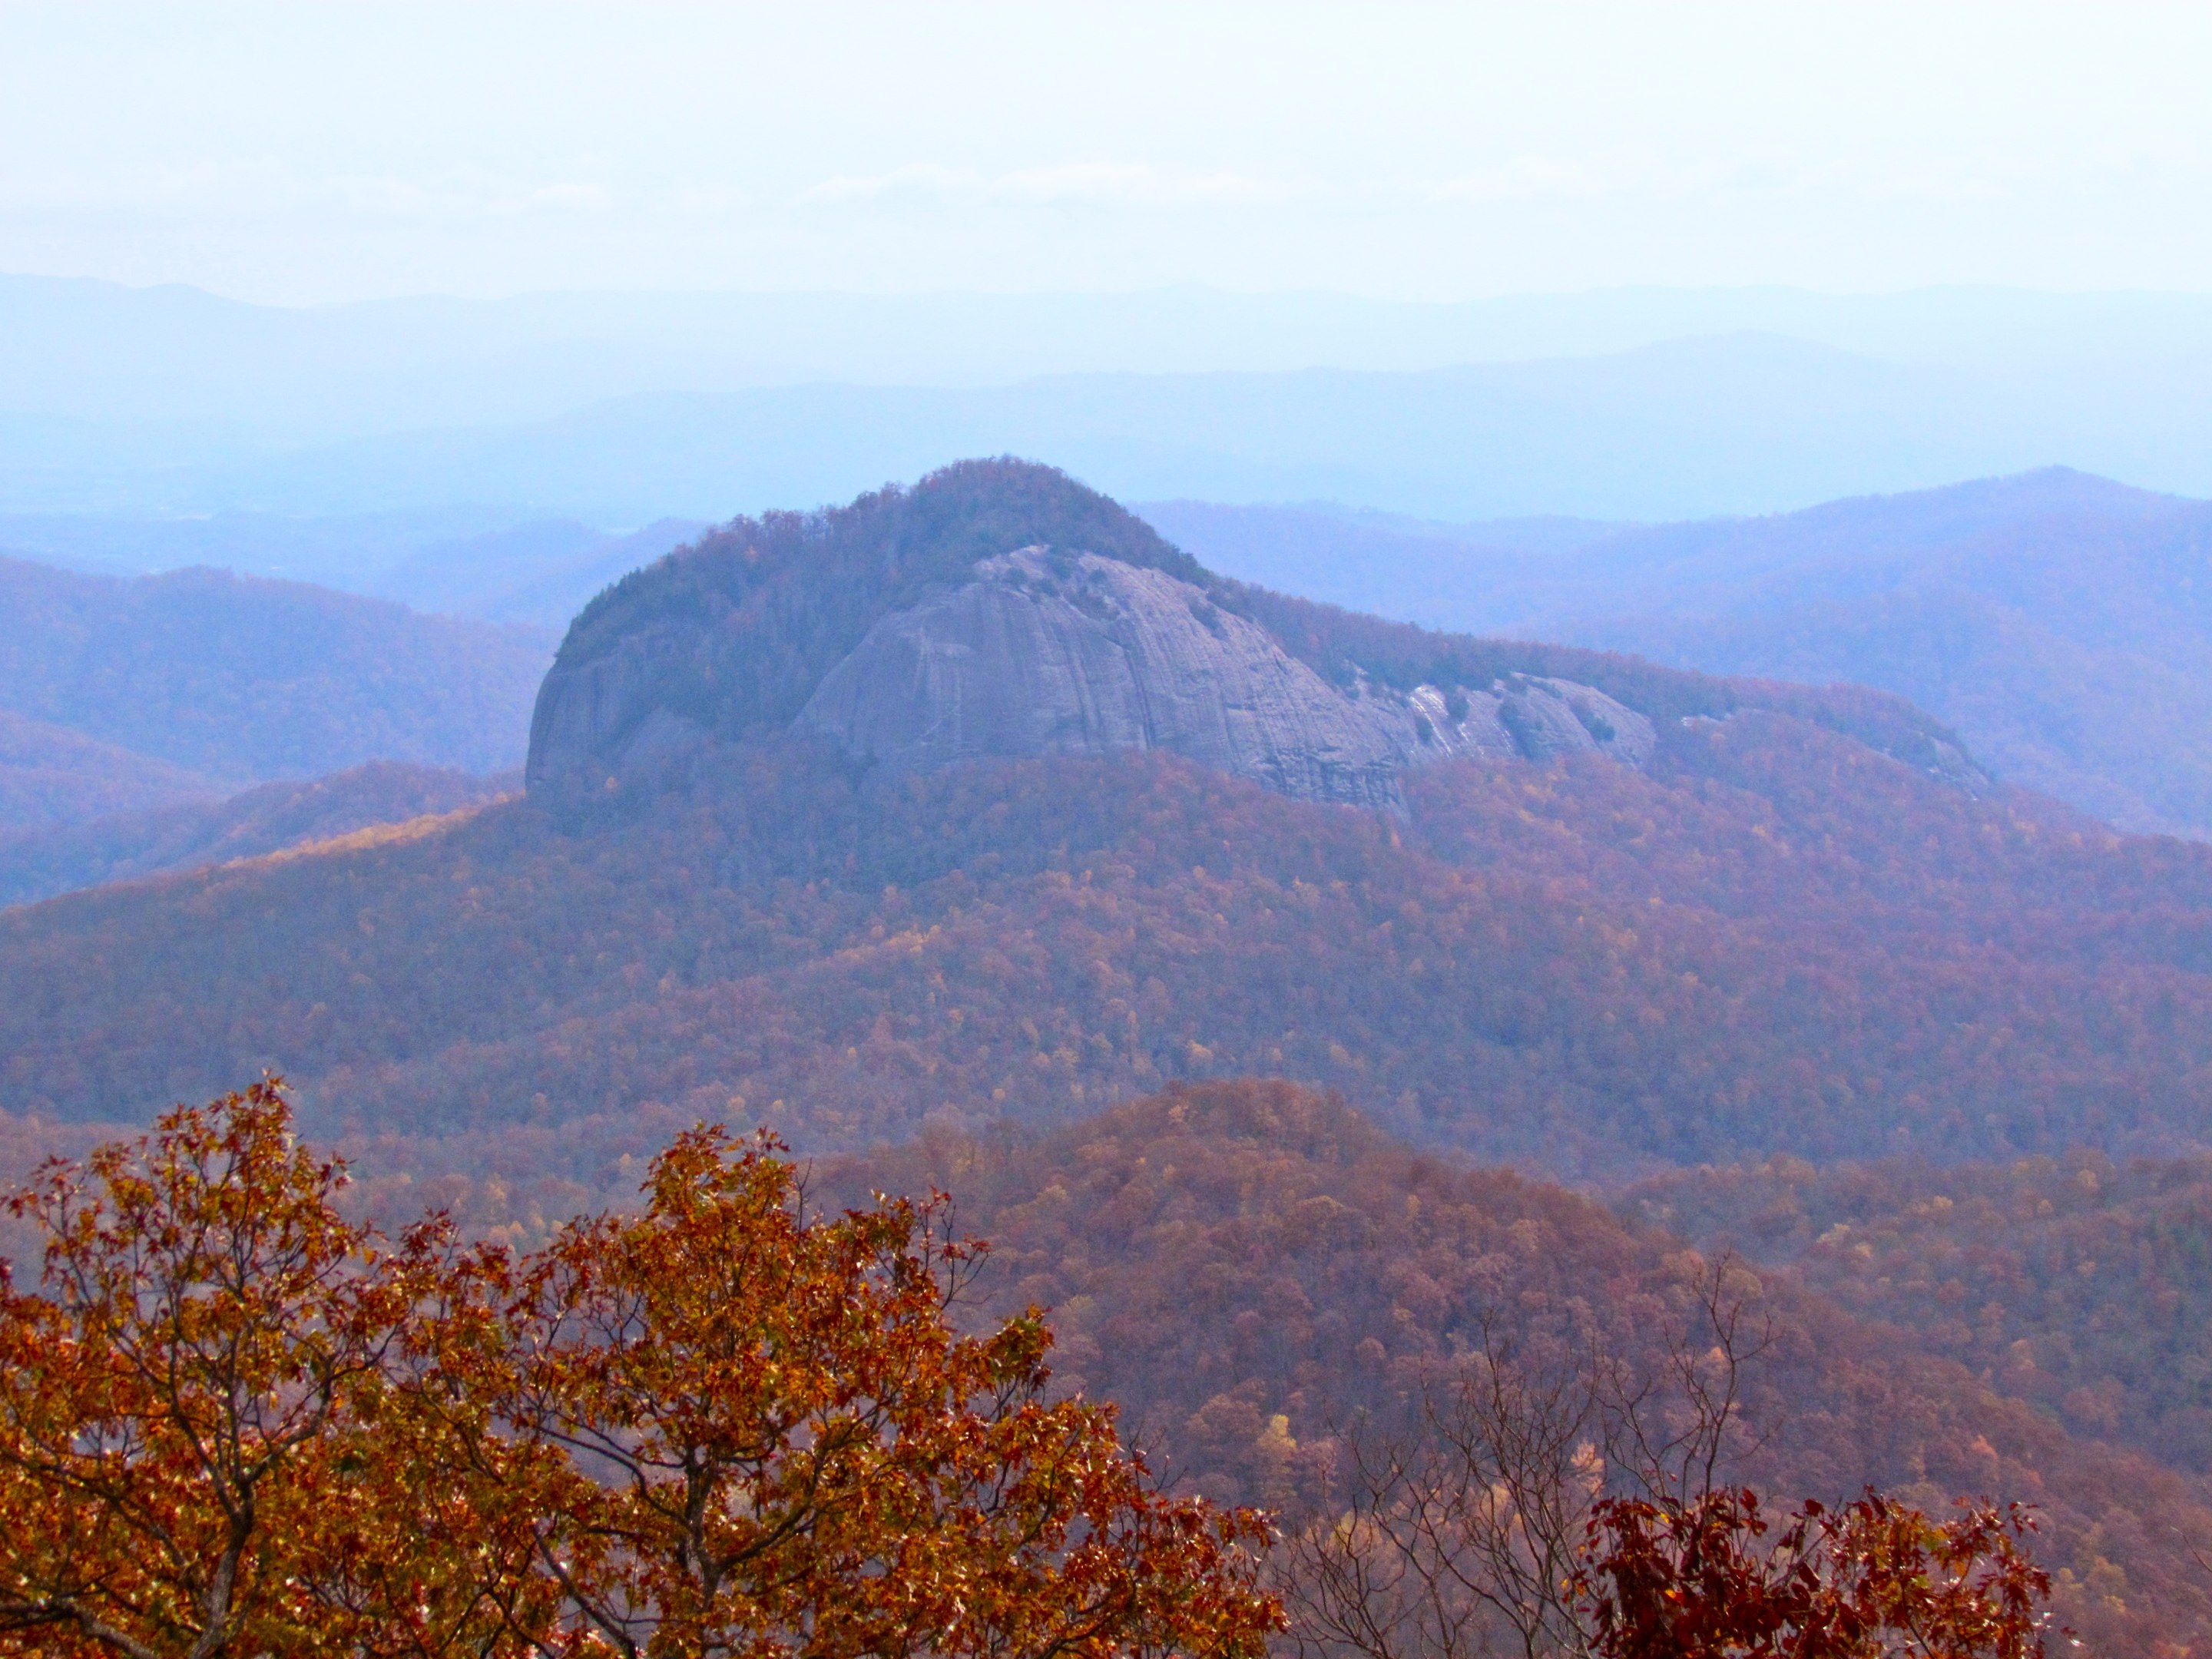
<point>1199,941</point>
<point>999,610</point>
<point>2058,622</point>
<point>128,696</point>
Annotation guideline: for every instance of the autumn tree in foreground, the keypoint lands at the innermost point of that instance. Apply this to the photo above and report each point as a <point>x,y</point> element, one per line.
<point>231,1424</point>
<point>167,1406</point>
<point>1702,1580</point>
<point>792,1450</point>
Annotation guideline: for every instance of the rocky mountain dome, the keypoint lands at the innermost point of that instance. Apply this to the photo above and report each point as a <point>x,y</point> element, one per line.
<point>1000,610</point>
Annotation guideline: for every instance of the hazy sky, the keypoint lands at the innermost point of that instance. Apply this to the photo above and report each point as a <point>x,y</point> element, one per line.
<point>305,152</point>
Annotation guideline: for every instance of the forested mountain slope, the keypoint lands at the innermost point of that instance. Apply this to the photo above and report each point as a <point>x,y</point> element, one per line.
<point>2058,622</point>
<point>51,775</point>
<point>1246,1268</point>
<point>36,864</point>
<point>237,680</point>
<point>2076,1282</point>
<point>1781,919</point>
<point>1773,939</point>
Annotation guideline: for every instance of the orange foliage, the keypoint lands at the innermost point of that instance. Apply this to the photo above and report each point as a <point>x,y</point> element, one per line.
<point>1245,1266</point>
<point>1778,940</point>
<point>233,1423</point>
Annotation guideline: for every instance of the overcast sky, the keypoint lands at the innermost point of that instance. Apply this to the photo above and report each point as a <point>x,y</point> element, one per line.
<point>304,152</point>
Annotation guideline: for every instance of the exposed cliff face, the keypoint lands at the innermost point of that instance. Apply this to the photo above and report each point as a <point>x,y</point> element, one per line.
<point>601,721</point>
<point>1000,610</point>
<point>1048,653</point>
<point>1053,653</point>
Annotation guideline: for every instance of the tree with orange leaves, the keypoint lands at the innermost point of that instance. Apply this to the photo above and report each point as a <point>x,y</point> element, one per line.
<point>167,1403</point>
<point>233,1423</point>
<point>792,1450</point>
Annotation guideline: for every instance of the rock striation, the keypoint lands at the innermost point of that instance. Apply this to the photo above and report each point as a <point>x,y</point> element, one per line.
<point>1047,652</point>
<point>1053,653</point>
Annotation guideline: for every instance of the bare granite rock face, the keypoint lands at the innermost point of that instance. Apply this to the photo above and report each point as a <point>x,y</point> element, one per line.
<point>1078,654</point>
<point>587,731</point>
<point>1530,717</point>
<point>1048,653</point>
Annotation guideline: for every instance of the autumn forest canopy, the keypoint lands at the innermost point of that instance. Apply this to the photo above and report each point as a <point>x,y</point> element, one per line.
<point>231,1421</point>
<point>1689,1166</point>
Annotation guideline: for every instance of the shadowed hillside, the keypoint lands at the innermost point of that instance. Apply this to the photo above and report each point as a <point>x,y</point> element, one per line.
<point>237,680</point>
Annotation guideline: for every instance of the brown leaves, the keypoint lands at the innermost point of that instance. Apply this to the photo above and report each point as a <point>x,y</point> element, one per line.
<point>786,1435</point>
<point>1699,1580</point>
<point>163,1405</point>
<point>233,1424</point>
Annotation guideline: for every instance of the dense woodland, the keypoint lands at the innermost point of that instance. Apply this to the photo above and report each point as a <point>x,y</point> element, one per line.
<point>1809,933</point>
<point>1246,1268</point>
<point>53,776</point>
<point>1778,941</point>
<point>731,1417</point>
<point>2078,1283</point>
<point>227,681</point>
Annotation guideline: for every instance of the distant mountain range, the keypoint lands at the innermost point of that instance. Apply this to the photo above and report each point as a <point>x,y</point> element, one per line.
<point>1732,423</point>
<point>959,837</point>
<point>125,694</point>
<point>101,352</point>
<point>2060,623</point>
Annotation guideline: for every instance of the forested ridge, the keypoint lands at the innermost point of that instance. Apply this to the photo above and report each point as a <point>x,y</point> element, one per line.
<point>1807,932</point>
<point>1247,1267</point>
<point>36,864</point>
<point>2077,1282</point>
<point>236,1416</point>
<point>203,683</point>
<point>1778,940</point>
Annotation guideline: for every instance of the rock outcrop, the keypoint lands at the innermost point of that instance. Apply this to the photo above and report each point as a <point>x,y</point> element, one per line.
<point>1046,653</point>
<point>1049,654</point>
<point>999,610</point>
